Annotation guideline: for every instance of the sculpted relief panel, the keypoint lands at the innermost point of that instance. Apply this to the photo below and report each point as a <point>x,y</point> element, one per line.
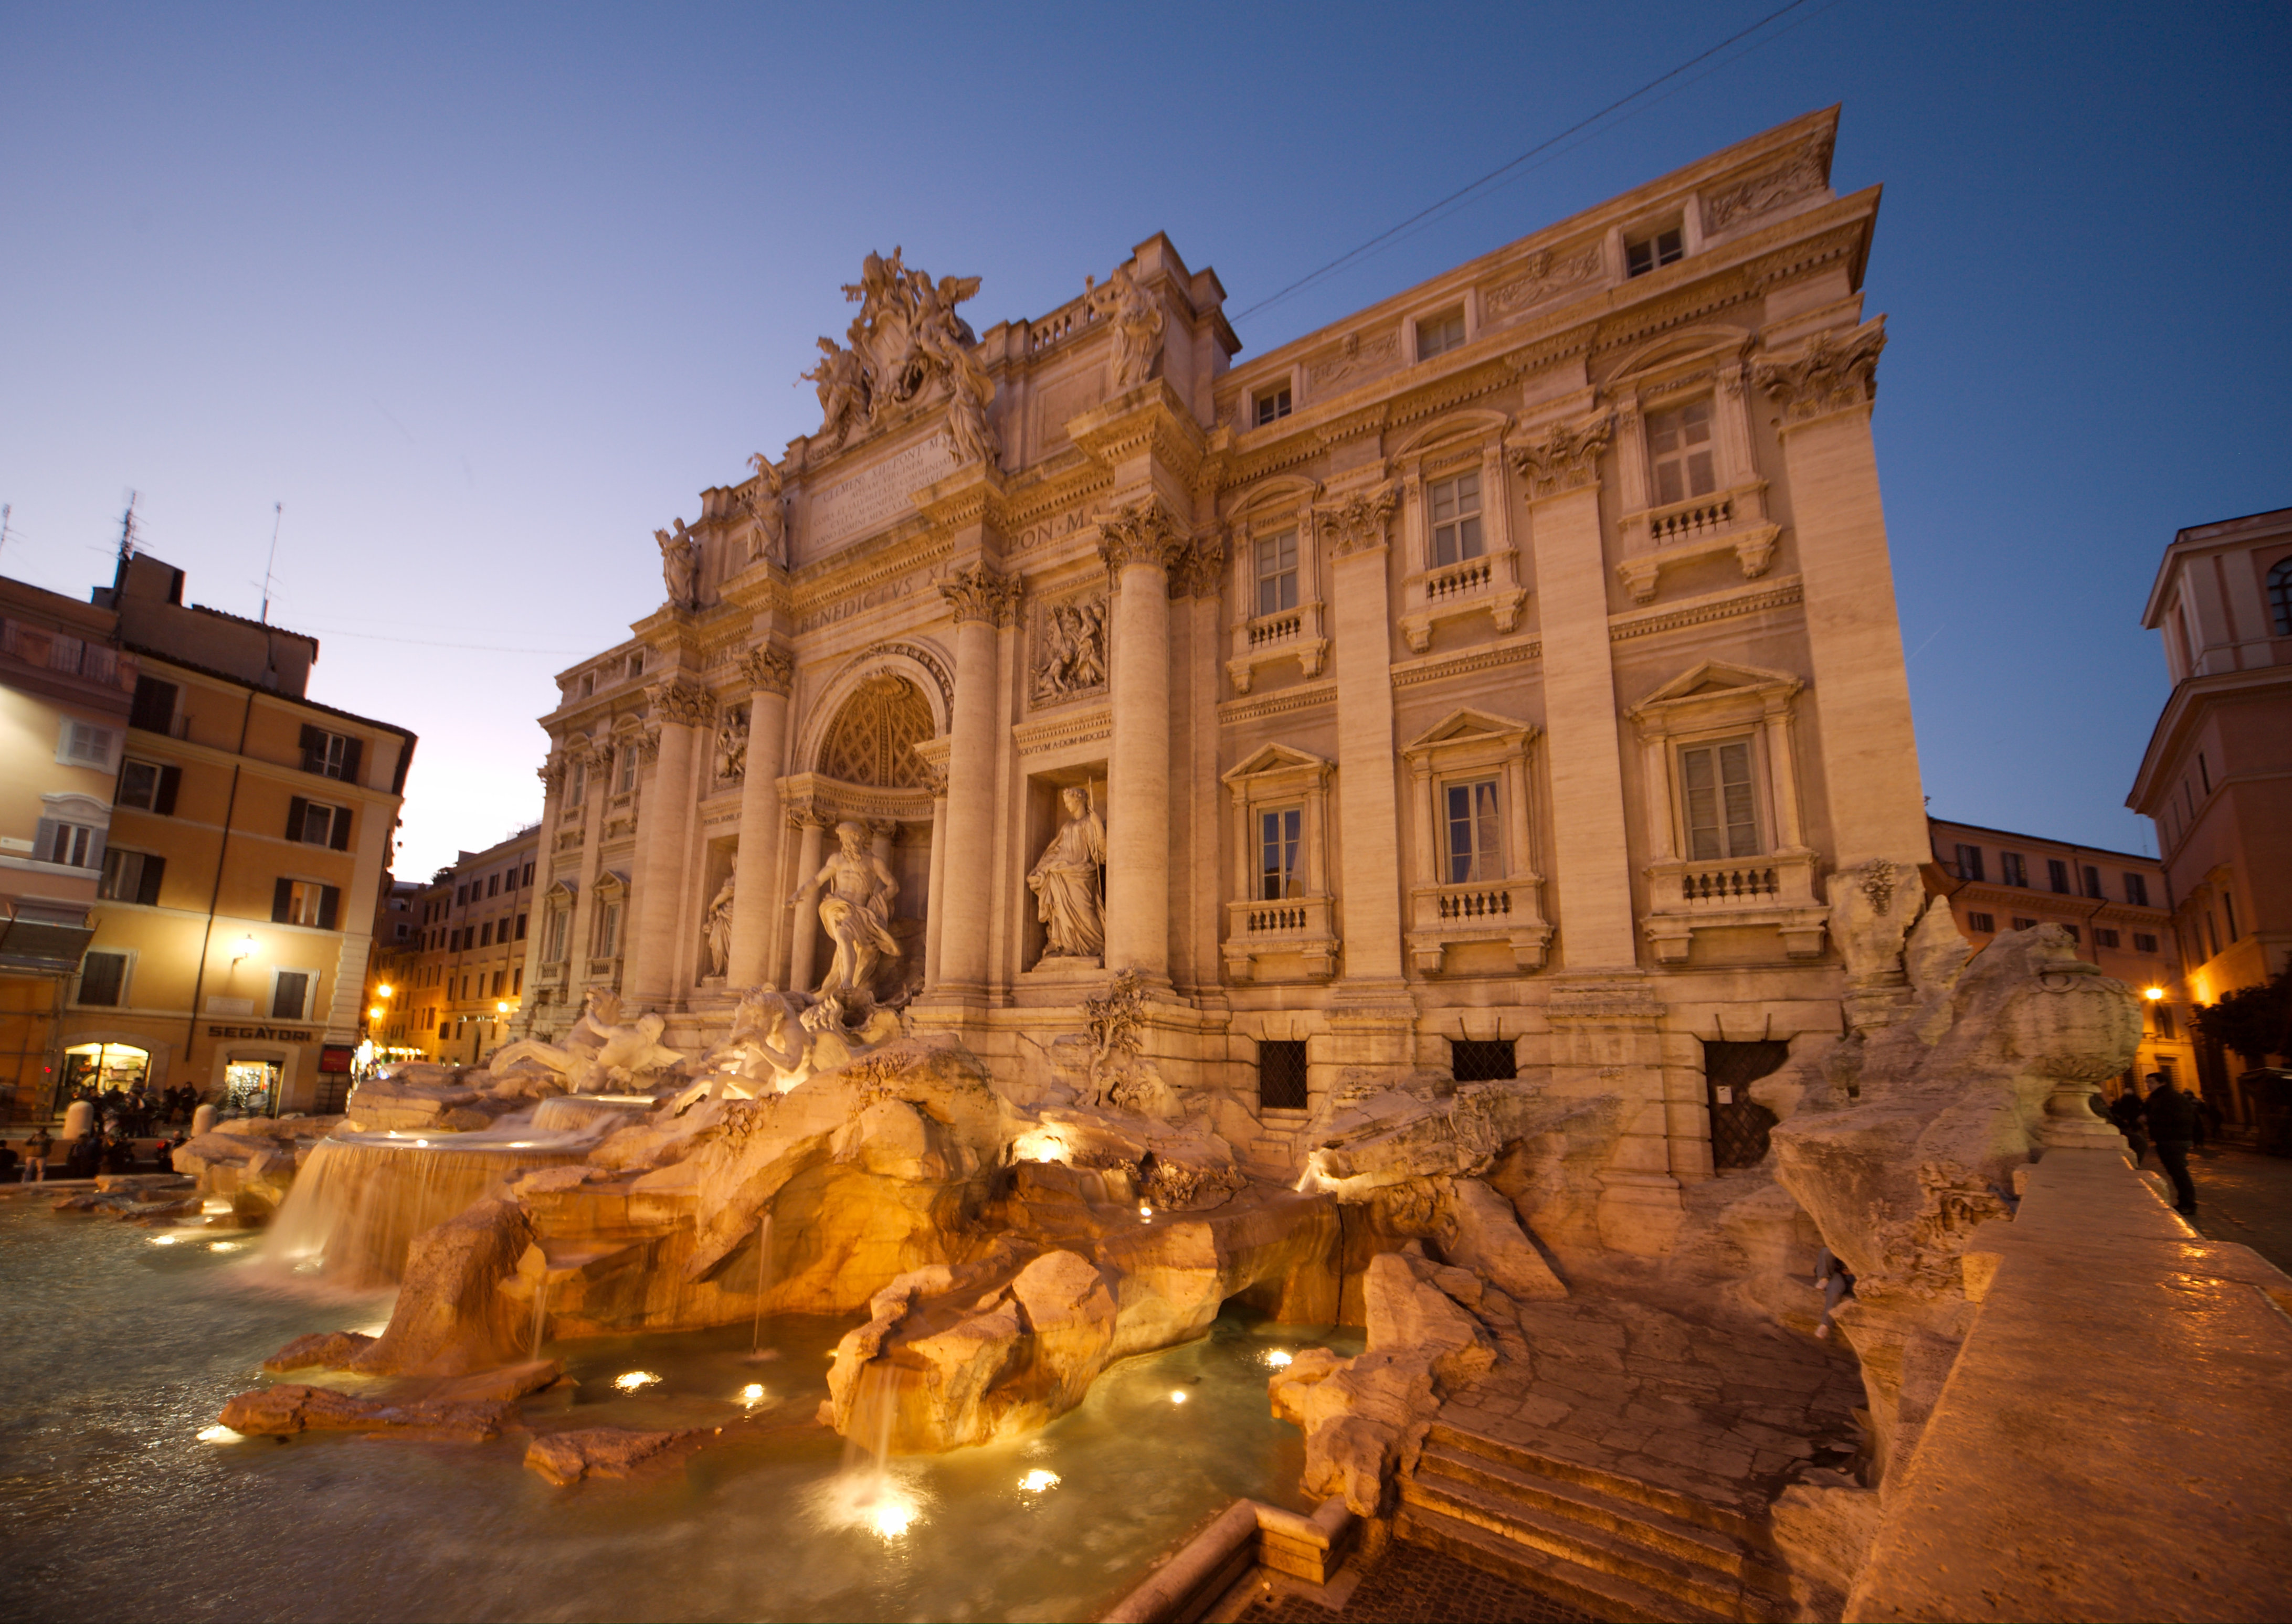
<point>1069,652</point>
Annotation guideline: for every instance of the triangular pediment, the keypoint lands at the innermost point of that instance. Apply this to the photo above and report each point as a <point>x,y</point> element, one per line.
<point>1674,350</point>
<point>1277,759</point>
<point>1717,677</point>
<point>1460,726</point>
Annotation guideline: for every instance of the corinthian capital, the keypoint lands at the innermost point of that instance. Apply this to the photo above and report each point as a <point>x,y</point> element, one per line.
<point>1201,571</point>
<point>768,670</point>
<point>981,593</point>
<point>1359,519</point>
<point>1830,375</point>
<point>1567,458</point>
<point>1141,532</point>
<point>682,702</point>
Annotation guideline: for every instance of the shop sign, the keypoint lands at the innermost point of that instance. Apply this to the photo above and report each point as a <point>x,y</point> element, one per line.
<point>274,1034</point>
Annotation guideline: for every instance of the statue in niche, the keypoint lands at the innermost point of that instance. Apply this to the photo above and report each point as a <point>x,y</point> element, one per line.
<point>732,747</point>
<point>1072,659</point>
<point>856,912</point>
<point>1136,316</point>
<point>1065,881</point>
<point>769,508</point>
<point>679,566</point>
<point>716,929</point>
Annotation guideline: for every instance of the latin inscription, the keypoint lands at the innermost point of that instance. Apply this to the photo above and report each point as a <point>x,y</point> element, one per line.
<point>873,498</point>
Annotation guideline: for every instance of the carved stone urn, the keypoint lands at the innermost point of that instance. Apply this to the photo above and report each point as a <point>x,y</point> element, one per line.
<point>2072,1027</point>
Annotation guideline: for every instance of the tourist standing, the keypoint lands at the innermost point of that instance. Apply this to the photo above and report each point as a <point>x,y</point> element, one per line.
<point>2172,1118</point>
<point>2125,1111</point>
<point>35,1170</point>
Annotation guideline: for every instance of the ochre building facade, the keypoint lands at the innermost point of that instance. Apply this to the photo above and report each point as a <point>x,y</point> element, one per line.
<point>1501,680</point>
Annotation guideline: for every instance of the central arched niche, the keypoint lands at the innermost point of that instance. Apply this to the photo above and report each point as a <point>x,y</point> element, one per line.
<point>872,740</point>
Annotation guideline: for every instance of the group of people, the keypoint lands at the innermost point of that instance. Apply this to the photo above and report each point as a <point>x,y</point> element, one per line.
<point>102,1152</point>
<point>136,1111</point>
<point>2170,1123</point>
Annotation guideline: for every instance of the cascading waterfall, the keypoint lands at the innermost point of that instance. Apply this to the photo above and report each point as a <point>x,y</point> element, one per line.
<point>758,1351</point>
<point>540,1311</point>
<point>362,1197</point>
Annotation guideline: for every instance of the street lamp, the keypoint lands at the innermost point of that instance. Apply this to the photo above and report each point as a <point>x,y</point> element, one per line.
<point>2154,993</point>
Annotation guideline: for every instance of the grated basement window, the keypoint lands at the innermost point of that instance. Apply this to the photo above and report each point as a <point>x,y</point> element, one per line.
<point>1475,1060</point>
<point>1281,1076</point>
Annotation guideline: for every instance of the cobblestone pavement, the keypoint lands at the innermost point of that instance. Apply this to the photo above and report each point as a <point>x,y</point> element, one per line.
<point>1728,1411</point>
<point>2244,1195</point>
<point>1411,1584</point>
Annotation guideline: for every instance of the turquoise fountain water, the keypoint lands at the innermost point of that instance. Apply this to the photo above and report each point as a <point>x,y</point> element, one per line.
<point>120,1350</point>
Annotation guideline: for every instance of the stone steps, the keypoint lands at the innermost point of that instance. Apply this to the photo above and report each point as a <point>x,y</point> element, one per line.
<point>1622,1547</point>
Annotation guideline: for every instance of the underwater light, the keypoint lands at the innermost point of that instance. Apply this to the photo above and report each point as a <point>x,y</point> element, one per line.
<point>634,1381</point>
<point>223,1246</point>
<point>163,1239</point>
<point>219,1435</point>
<point>891,1519</point>
<point>1278,1360</point>
<point>752,1394</point>
<point>1038,1479</point>
<point>1177,1396</point>
<point>1145,1211</point>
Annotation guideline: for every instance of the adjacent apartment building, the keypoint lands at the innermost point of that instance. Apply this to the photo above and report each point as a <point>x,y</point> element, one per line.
<point>465,972</point>
<point>239,832</point>
<point>2217,777</point>
<point>65,692</point>
<point>2113,903</point>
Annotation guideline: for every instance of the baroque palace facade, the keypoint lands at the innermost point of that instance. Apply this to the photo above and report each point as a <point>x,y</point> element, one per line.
<point>1494,682</point>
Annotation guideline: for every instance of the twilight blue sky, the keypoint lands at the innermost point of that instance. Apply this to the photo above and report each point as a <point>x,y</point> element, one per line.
<point>483,294</point>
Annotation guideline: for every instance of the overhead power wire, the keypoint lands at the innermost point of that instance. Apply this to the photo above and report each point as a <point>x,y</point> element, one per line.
<point>1493,175</point>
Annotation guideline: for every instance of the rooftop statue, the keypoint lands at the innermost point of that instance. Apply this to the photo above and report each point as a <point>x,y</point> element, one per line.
<point>907,347</point>
<point>769,508</point>
<point>680,565</point>
<point>1136,316</point>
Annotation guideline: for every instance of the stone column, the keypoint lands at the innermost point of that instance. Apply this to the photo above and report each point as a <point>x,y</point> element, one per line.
<point>1593,858</point>
<point>684,709</point>
<point>982,599</point>
<point>805,936</point>
<point>552,774</point>
<point>755,864</point>
<point>1368,818</point>
<point>936,887</point>
<point>1139,545</point>
<point>579,939</point>
<point>1854,639</point>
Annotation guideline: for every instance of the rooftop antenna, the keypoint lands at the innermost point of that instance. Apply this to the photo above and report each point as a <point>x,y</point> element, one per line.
<point>277,517</point>
<point>127,527</point>
<point>6,508</point>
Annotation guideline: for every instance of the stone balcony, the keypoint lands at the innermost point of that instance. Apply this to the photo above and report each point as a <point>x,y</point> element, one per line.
<point>1507,911</point>
<point>1268,639</point>
<point>1774,892</point>
<point>1303,927</point>
<point>1729,522</point>
<point>1487,585</point>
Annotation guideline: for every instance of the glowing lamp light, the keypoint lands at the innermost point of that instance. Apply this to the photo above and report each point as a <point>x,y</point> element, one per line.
<point>1278,1360</point>
<point>219,1435</point>
<point>501,1006</point>
<point>1038,1145</point>
<point>373,1012</point>
<point>1038,1479</point>
<point>224,1246</point>
<point>753,1395</point>
<point>1177,1396</point>
<point>2152,993</point>
<point>163,1239</point>
<point>244,948</point>
<point>891,1519</point>
<point>634,1381</point>
<point>382,991</point>
<point>1146,1212</point>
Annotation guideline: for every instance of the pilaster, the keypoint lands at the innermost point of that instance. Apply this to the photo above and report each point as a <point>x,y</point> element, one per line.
<point>770,673</point>
<point>684,708</point>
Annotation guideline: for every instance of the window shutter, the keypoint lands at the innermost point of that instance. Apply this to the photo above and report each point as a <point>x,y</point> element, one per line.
<point>146,889</point>
<point>330,898</point>
<point>43,841</point>
<point>352,750</point>
<point>282,902</point>
<point>342,840</point>
<point>154,710</point>
<point>163,801</point>
<point>314,748</point>
<point>95,850</point>
<point>298,813</point>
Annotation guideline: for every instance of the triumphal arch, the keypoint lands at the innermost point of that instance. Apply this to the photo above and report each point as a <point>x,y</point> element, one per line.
<point>1502,680</point>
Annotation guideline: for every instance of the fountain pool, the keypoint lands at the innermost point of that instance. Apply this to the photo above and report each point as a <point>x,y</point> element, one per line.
<point>121,1351</point>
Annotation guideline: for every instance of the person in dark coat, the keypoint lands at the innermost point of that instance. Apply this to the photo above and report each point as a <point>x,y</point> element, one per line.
<point>2125,1111</point>
<point>2172,1119</point>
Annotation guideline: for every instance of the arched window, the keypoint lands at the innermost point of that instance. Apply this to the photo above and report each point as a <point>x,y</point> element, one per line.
<point>874,738</point>
<point>2280,597</point>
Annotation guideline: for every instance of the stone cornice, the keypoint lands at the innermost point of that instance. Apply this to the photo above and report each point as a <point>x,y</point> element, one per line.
<point>971,496</point>
<point>1150,420</point>
<point>1063,731</point>
<point>1233,712</point>
<point>1776,594</point>
<point>1410,673</point>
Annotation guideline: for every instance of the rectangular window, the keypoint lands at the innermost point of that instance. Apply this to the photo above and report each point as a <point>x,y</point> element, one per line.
<point>2204,773</point>
<point>462,894</point>
<point>520,927</point>
<point>1657,248</point>
<point>525,877</point>
<point>1280,839</point>
<point>1679,453</point>
<point>2093,882</point>
<point>131,876</point>
<point>155,706</point>
<point>305,901</point>
<point>1439,335</point>
<point>85,744</point>
<point>608,929</point>
<point>149,786</point>
<point>1277,572</point>
<point>2057,876</point>
<point>517,981</point>
<point>1455,506</point>
<point>2164,1011</point>
<point>1475,832</point>
<point>2012,869</point>
<point>2136,889</point>
<point>1281,1076</point>
<point>1969,863</point>
<point>1479,1060</point>
<point>636,665</point>
<point>103,979</point>
<point>1982,921</point>
<point>501,979</point>
<point>2228,907</point>
<point>493,885</point>
<point>558,921</point>
<point>625,768</point>
<point>486,934</point>
<point>313,822</point>
<point>2143,941</point>
<point>73,845</point>
<point>1272,405</point>
<point>577,783</point>
<point>1722,817</point>
<point>2103,936</point>
<point>331,755</point>
<point>290,995</point>
<point>2024,924</point>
